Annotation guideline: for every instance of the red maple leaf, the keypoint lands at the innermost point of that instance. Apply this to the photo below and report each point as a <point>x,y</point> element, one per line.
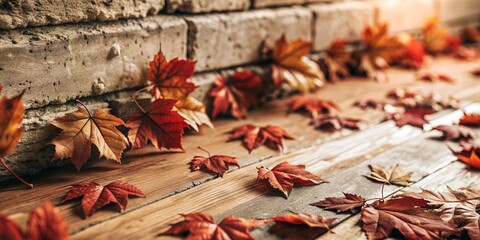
<point>202,227</point>
<point>170,77</point>
<point>306,219</point>
<point>95,196</point>
<point>456,132</point>
<point>312,104</point>
<point>253,136</point>
<point>45,222</point>
<point>216,163</point>
<point>406,215</point>
<point>160,125</point>
<point>412,116</point>
<point>470,119</point>
<point>335,123</point>
<point>349,202</point>
<point>470,154</point>
<point>285,176</point>
<point>414,54</point>
<point>236,94</point>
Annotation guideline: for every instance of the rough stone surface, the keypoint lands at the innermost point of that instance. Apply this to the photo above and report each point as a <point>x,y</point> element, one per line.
<point>403,15</point>
<point>339,20</point>
<point>59,63</point>
<point>226,40</point>
<point>269,3</point>
<point>27,13</point>
<point>449,10</point>
<point>202,6</point>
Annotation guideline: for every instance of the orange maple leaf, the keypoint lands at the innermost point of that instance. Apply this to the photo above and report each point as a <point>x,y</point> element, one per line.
<point>254,136</point>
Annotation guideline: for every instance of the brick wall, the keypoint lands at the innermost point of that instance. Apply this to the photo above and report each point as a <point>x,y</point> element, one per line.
<point>98,51</point>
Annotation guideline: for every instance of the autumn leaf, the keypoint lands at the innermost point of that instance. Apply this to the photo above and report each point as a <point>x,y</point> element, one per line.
<point>349,202</point>
<point>369,103</point>
<point>455,132</point>
<point>435,77</point>
<point>335,123</point>
<point>81,130</point>
<point>470,119</point>
<point>334,63</point>
<point>294,67</point>
<point>46,222</point>
<point>414,54</point>
<point>253,136</point>
<point>202,227</point>
<point>420,98</point>
<point>311,104</point>
<point>169,78</point>
<point>394,175</point>
<point>470,35</point>
<point>194,113</point>
<point>414,117</point>
<point>466,53</point>
<point>306,219</point>
<point>216,163</point>
<point>285,176</point>
<point>236,94</point>
<point>436,38</point>
<point>95,196</point>
<point>160,125</point>
<point>13,111</point>
<point>470,156</point>
<point>406,215</point>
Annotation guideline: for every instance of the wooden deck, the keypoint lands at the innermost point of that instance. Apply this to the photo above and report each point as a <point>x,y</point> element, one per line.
<point>341,157</point>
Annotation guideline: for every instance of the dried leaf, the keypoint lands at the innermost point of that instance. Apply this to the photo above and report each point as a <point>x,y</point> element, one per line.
<point>420,98</point>
<point>201,226</point>
<point>216,163</point>
<point>470,35</point>
<point>414,54</point>
<point>335,123</point>
<point>81,130</point>
<point>349,202</point>
<point>334,63</point>
<point>476,72</point>
<point>436,38</point>
<point>306,219</point>
<point>160,125</point>
<point>394,175</point>
<point>406,215</point>
<point>369,103</point>
<point>95,196</point>
<point>285,176</point>
<point>169,78</point>
<point>46,222</point>
<point>435,77</point>
<point>9,229</point>
<point>253,136</point>
<point>470,119</point>
<point>412,116</point>
<point>455,132</point>
<point>193,111</point>
<point>294,67</point>
<point>313,105</point>
<point>236,94</point>
<point>470,156</point>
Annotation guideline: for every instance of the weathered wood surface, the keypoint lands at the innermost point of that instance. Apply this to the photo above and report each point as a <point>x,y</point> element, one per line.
<point>340,157</point>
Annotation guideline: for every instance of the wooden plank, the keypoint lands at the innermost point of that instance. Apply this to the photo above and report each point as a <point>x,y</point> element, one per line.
<point>142,168</point>
<point>239,193</point>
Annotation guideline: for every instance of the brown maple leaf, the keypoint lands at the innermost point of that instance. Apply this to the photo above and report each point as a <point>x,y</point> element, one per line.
<point>412,116</point>
<point>407,216</point>
<point>294,67</point>
<point>236,94</point>
<point>81,130</point>
<point>160,125</point>
<point>169,78</point>
<point>455,132</point>
<point>435,77</point>
<point>13,111</point>
<point>306,219</point>
<point>311,104</point>
<point>393,175</point>
<point>45,222</point>
<point>334,63</point>
<point>216,163</point>
<point>343,204</point>
<point>437,39</point>
<point>470,35</point>
<point>201,226</point>
<point>335,123</point>
<point>470,119</point>
<point>194,112</point>
<point>253,136</point>
<point>95,196</point>
<point>285,176</point>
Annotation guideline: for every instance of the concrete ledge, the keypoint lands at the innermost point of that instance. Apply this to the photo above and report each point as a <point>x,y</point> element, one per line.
<point>60,63</point>
<point>28,13</point>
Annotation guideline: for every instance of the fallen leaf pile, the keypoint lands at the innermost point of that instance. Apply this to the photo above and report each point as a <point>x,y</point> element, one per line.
<point>254,136</point>
<point>95,196</point>
<point>44,222</point>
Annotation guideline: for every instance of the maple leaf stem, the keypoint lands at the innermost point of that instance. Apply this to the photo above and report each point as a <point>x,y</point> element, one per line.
<point>203,149</point>
<point>14,174</point>
<point>383,187</point>
<point>135,100</point>
<point>84,106</point>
